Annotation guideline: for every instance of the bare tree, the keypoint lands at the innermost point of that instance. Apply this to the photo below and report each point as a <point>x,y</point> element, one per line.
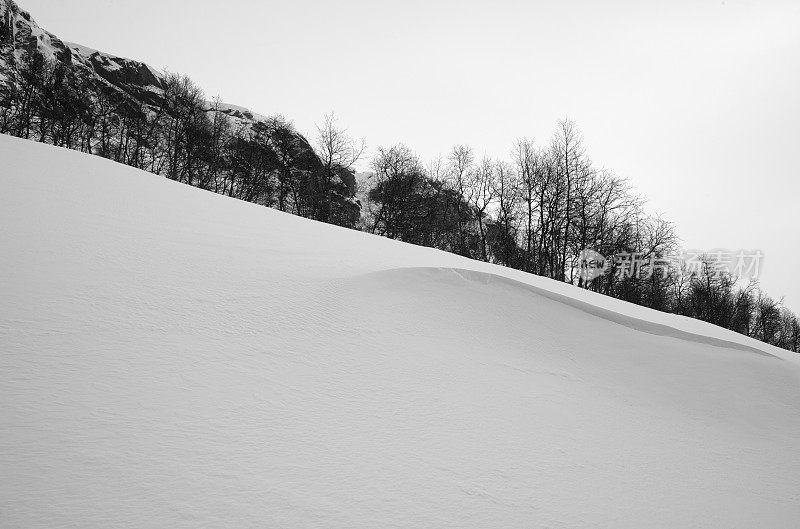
<point>507,190</point>
<point>482,188</point>
<point>568,152</point>
<point>527,159</point>
<point>460,165</point>
<point>338,153</point>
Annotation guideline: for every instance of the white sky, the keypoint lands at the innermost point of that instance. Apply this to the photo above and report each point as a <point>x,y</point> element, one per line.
<point>695,102</point>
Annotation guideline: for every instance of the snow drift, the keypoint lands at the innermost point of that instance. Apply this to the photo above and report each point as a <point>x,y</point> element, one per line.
<point>174,358</point>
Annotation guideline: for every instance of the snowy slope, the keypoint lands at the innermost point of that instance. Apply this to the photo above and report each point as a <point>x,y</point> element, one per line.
<point>175,358</point>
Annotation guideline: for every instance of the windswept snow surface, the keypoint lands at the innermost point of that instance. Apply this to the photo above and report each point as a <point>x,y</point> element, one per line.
<point>175,358</point>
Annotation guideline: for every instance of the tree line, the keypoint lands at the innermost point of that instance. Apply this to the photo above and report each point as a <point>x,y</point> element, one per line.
<point>541,209</point>
<point>537,211</point>
<point>178,134</point>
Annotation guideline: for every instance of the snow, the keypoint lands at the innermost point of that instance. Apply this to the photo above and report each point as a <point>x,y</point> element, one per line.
<point>175,358</point>
<point>110,62</point>
<point>84,54</point>
<point>236,111</point>
<point>81,50</point>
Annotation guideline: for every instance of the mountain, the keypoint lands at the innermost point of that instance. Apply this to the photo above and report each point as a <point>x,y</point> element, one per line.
<point>21,38</point>
<point>173,357</point>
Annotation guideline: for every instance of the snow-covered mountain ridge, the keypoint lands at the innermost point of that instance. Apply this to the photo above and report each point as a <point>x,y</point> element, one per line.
<point>21,37</point>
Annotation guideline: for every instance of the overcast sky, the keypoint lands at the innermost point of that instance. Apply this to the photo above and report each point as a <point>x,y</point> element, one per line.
<point>695,102</point>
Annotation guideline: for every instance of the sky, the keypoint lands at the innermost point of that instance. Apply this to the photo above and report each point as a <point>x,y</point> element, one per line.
<point>695,102</point>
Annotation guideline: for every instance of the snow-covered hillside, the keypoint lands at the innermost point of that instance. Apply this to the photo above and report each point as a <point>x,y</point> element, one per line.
<point>175,358</point>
